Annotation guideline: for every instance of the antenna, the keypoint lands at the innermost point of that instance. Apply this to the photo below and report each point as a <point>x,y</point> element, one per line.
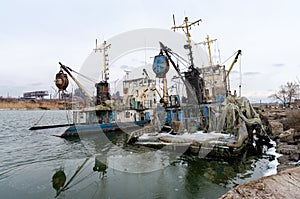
<point>174,21</point>
<point>96,46</point>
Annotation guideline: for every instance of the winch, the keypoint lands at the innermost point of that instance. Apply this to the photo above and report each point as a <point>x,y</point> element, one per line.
<point>61,80</point>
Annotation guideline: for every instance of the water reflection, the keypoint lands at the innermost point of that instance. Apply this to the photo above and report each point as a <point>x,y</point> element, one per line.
<point>100,167</point>
<point>33,165</point>
<point>58,181</point>
<point>106,174</point>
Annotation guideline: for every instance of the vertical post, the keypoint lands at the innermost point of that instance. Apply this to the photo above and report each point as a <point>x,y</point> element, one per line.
<point>240,86</point>
<point>165,96</point>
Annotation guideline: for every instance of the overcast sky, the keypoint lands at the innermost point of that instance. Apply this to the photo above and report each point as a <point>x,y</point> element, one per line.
<point>35,35</point>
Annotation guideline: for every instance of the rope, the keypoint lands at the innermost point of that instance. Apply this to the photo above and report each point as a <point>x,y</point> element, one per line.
<point>229,57</point>
<point>88,78</point>
<point>40,119</point>
<point>65,187</point>
<point>67,115</point>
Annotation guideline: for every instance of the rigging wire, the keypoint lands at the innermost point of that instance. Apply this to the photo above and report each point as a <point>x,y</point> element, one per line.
<point>219,53</point>
<point>87,78</point>
<point>83,177</point>
<point>230,57</point>
<point>240,68</point>
<point>180,59</point>
<point>67,114</point>
<point>40,118</point>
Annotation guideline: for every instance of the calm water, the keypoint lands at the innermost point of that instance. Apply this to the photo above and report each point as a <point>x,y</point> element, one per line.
<point>36,164</point>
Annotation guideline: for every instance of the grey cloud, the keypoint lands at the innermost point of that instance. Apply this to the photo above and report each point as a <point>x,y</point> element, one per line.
<point>278,65</point>
<point>35,84</point>
<point>251,73</point>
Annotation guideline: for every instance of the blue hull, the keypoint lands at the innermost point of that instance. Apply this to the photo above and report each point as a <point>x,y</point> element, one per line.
<point>85,129</point>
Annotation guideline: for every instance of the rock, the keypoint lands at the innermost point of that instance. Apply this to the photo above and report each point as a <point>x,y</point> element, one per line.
<point>287,149</point>
<point>290,155</point>
<point>287,136</point>
<point>284,163</point>
<point>282,167</point>
<point>283,159</point>
<point>276,128</point>
<point>294,156</point>
<point>297,136</point>
<point>282,185</point>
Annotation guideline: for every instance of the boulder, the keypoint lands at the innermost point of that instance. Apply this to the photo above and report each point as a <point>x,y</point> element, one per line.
<point>294,156</point>
<point>287,136</point>
<point>282,185</point>
<point>286,149</point>
<point>297,136</point>
<point>276,128</point>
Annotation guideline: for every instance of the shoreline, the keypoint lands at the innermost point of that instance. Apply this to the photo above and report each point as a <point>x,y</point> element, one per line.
<point>280,185</point>
<point>283,126</point>
<point>34,104</point>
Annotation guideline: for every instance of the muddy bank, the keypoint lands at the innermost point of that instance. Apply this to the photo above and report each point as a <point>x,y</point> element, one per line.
<point>33,104</point>
<point>285,184</point>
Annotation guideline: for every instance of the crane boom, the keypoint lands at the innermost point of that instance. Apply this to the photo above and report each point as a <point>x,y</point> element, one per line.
<point>67,70</point>
<point>239,52</point>
<point>191,78</point>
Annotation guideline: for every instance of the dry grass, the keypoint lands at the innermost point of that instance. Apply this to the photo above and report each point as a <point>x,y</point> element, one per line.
<point>20,104</point>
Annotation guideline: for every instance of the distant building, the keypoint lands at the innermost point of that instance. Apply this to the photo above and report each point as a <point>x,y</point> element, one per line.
<point>35,94</point>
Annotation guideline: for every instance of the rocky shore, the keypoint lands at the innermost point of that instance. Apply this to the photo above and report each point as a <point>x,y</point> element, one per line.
<point>284,129</point>
<point>283,126</point>
<point>285,184</point>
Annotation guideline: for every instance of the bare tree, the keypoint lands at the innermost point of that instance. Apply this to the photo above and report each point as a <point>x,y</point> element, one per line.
<point>286,93</point>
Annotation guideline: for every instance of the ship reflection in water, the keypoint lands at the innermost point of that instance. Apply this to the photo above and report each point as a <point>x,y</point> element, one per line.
<point>118,170</point>
<point>35,164</point>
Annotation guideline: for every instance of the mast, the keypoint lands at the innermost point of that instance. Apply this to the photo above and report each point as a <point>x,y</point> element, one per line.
<point>103,86</point>
<point>186,26</point>
<point>208,42</point>
<point>104,48</point>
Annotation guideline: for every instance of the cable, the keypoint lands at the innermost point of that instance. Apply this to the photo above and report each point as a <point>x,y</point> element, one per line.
<point>88,78</point>
<point>40,118</point>
<point>230,57</point>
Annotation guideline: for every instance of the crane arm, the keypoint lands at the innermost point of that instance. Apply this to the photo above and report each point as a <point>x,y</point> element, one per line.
<point>67,70</point>
<point>239,52</point>
<point>166,51</point>
<point>146,73</point>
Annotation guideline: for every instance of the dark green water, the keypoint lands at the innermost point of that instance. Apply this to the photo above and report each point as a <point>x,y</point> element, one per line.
<point>35,164</point>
